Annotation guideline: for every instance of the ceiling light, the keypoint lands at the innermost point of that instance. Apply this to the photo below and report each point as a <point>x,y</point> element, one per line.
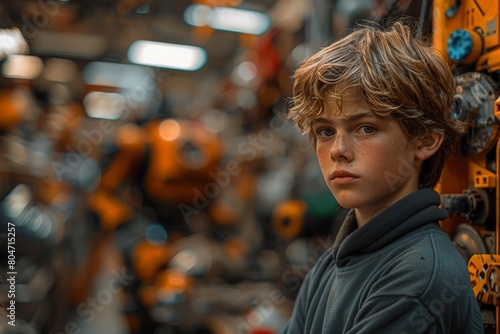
<point>226,18</point>
<point>22,67</point>
<point>175,56</point>
<point>104,105</point>
<point>12,42</point>
<point>109,74</point>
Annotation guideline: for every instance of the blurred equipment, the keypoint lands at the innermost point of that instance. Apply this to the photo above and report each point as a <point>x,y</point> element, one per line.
<point>467,33</point>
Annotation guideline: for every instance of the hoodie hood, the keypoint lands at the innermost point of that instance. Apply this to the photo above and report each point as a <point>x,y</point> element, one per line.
<point>409,213</point>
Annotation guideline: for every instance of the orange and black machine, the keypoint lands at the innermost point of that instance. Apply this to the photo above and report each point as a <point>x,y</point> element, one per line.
<point>467,32</point>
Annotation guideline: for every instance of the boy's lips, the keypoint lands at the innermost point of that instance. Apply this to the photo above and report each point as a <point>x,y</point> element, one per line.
<point>340,177</point>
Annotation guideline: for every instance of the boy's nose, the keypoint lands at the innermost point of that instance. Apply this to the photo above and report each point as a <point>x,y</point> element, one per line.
<point>341,149</point>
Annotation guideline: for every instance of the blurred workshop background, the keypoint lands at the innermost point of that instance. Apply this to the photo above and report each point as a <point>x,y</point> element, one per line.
<point>147,169</point>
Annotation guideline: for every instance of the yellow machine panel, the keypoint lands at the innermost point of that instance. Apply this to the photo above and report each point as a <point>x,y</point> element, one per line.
<point>467,34</point>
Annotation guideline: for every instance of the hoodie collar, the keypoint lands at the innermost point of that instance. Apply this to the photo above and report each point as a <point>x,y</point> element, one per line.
<point>409,213</point>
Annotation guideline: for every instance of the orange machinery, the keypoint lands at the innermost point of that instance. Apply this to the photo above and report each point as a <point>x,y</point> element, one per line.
<point>157,172</point>
<point>467,33</point>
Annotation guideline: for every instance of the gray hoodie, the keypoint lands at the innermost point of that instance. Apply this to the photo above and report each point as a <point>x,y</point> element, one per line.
<point>399,273</point>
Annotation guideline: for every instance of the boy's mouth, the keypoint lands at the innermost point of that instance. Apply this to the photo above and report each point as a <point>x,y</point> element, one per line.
<point>340,177</point>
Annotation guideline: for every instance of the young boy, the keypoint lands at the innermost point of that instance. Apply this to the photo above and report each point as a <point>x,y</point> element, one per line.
<point>377,107</point>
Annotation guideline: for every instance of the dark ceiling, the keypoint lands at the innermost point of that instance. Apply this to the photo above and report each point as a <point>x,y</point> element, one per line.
<point>121,22</point>
<point>88,30</point>
<point>118,23</point>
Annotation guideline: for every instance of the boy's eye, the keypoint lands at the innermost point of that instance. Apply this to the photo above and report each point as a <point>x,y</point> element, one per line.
<point>367,129</point>
<point>325,132</point>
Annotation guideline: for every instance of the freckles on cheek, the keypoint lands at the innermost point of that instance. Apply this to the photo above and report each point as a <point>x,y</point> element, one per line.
<point>324,162</point>
<point>322,154</point>
<point>374,157</point>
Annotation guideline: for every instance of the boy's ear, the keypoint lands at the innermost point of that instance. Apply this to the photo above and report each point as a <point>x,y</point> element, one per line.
<point>429,145</point>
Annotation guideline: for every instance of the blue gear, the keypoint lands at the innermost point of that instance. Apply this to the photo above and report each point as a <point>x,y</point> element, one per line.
<point>459,45</point>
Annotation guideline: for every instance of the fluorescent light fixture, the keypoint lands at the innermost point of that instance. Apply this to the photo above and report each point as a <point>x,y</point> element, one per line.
<point>175,56</point>
<point>137,84</point>
<point>228,19</point>
<point>22,67</point>
<point>12,42</point>
<point>109,74</point>
<point>104,105</point>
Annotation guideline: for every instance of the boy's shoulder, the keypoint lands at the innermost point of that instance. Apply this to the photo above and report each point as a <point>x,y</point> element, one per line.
<point>425,264</point>
<point>428,249</point>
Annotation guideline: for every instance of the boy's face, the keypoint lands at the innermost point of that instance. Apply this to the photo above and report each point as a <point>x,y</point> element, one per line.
<point>367,161</point>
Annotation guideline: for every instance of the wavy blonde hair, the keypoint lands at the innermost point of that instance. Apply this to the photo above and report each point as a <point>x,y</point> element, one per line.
<point>394,74</point>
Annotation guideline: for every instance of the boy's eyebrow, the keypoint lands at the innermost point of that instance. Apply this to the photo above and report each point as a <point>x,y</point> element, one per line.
<point>354,117</point>
<point>320,120</point>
